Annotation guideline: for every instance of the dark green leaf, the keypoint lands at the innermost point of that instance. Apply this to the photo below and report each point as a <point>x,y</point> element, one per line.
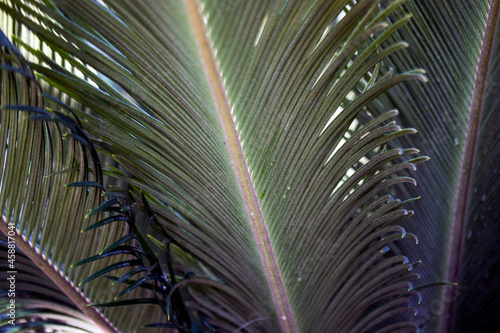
<point>121,264</point>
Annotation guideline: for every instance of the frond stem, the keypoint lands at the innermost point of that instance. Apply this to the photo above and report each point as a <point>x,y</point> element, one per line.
<point>278,293</point>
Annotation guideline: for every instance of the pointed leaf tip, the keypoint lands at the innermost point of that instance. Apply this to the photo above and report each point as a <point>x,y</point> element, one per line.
<point>412,235</point>
<point>412,130</point>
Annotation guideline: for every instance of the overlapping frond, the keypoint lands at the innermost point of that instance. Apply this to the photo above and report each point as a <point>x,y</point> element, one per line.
<point>45,150</point>
<point>477,304</point>
<point>448,39</point>
<point>30,302</point>
<point>30,191</point>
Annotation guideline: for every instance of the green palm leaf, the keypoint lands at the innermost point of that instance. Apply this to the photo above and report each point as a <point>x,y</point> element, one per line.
<point>453,41</point>
<point>271,239</point>
<point>38,302</point>
<point>260,134</point>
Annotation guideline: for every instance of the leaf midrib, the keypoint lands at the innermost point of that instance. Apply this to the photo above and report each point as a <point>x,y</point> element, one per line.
<point>262,239</point>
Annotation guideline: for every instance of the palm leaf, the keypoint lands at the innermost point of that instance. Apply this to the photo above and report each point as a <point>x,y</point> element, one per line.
<point>253,131</point>
<point>27,159</point>
<point>39,303</point>
<point>35,153</point>
<point>455,114</point>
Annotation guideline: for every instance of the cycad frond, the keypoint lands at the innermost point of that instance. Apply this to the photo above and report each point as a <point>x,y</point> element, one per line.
<point>247,131</point>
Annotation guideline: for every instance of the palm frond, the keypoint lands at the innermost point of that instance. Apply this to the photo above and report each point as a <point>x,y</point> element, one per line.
<point>33,191</point>
<point>31,301</point>
<point>247,130</point>
<point>453,41</point>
